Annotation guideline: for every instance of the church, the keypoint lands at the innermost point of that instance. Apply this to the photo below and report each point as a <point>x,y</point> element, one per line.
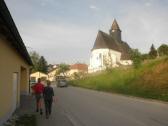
<point>109,50</point>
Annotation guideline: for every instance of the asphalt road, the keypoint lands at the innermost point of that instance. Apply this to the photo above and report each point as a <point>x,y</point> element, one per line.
<point>92,108</point>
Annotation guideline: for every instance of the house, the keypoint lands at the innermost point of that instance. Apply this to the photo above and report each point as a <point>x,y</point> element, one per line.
<point>77,68</point>
<point>109,50</point>
<point>34,76</point>
<point>14,65</point>
<point>52,74</point>
<point>50,67</point>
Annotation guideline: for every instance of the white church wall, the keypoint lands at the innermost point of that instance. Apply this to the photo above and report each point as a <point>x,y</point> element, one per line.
<point>97,59</point>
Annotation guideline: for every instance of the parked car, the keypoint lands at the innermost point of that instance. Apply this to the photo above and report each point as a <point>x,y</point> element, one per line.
<point>62,83</point>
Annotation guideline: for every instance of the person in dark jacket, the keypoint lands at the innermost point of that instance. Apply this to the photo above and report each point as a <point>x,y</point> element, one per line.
<point>48,94</point>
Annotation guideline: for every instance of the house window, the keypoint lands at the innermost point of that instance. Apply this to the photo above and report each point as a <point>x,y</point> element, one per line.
<point>33,79</point>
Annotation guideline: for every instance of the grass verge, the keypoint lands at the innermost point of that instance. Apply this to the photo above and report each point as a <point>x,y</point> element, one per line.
<point>148,81</point>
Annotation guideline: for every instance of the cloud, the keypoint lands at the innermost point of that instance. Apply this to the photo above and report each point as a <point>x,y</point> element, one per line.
<point>148,4</point>
<point>93,7</point>
<point>59,42</point>
<point>143,26</point>
<point>142,23</point>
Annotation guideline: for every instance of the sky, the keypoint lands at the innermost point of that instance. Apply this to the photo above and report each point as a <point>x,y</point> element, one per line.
<point>64,31</point>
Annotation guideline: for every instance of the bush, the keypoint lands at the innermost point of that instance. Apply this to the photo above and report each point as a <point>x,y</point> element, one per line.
<point>136,58</point>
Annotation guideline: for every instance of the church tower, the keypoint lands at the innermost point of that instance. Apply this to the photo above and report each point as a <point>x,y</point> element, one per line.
<point>115,31</point>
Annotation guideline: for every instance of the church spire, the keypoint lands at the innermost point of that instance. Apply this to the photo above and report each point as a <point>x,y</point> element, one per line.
<point>115,31</point>
<point>115,25</point>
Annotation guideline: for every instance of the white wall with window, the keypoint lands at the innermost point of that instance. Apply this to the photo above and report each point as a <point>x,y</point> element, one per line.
<point>100,57</point>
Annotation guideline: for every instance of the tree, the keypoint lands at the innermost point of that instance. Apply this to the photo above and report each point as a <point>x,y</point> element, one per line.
<point>136,58</point>
<point>153,52</point>
<point>145,56</point>
<point>42,65</point>
<point>63,68</point>
<point>35,59</point>
<point>163,50</point>
<point>78,75</point>
<point>39,62</point>
<point>107,61</point>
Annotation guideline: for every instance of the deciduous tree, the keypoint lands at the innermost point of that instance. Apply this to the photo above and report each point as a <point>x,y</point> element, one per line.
<point>63,68</point>
<point>35,59</point>
<point>163,50</point>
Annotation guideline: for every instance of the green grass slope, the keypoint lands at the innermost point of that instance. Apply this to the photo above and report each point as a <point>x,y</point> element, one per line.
<point>148,81</point>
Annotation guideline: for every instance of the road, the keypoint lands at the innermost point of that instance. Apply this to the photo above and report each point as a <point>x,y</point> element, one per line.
<point>82,107</point>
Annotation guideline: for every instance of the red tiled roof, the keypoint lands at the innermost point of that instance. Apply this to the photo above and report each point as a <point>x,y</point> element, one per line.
<point>79,66</point>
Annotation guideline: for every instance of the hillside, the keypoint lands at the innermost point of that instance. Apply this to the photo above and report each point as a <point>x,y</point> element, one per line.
<point>148,81</point>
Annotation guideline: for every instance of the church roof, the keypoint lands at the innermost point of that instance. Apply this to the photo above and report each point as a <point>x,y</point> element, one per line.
<point>115,25</point>
<point>105,41</point>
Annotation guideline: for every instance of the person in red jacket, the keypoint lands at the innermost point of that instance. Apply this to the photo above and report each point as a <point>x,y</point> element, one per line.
<point>38,89</point>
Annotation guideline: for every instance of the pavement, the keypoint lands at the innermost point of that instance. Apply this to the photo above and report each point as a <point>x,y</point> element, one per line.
<point>58,117</point>
<point>82,107</point>
<point>27,103</point>
<point>85,107</point>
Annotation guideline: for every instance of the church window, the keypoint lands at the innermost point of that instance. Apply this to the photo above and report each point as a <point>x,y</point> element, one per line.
<point>100,55</point>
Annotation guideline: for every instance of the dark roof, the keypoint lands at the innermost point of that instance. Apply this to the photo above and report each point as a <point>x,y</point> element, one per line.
<point>115,25</point>
<point>9,29</point>
<point>105,41</point>
<point>125,51</point>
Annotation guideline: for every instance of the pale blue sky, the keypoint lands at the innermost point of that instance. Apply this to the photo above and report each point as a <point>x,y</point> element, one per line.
<point>65,30</point>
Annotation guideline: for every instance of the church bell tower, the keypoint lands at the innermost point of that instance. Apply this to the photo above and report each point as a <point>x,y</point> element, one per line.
<point>115,31</point>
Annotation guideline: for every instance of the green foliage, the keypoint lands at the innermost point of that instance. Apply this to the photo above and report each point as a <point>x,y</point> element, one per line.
<point>148,81</point>
<point>107,60</point>
<point>153,52</point>
<point>78,75</point>
<point>63,68</point>
<point>163,50</point>
<point>35,59</point>
<point>145,56</point>
<point>136,58</point>
<point>39,62</point>
<point>42,65</point>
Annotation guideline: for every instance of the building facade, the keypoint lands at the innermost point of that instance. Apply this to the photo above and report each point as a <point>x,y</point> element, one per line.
<point>52,74</point>
<point>109,50</point>
<point>34,76</point>
<point>14,65</point>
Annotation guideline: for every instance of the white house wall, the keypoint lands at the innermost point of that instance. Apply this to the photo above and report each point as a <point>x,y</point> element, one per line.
<point>51,75</point>
<point>37,75</point>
